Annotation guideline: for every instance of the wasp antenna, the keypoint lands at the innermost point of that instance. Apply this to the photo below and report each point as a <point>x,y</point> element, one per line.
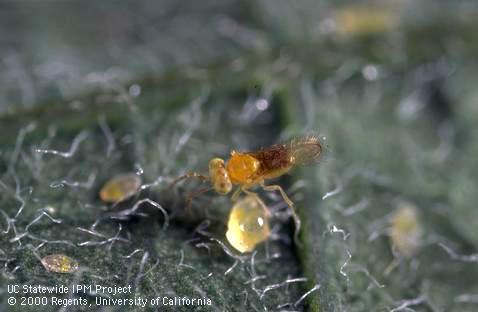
<point>196,193</point>
<point>188,175</point>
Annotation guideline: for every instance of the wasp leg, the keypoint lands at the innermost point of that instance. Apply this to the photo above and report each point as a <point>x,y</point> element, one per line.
<point>235,195</point>
<point>190,196</point>
<point>245,189</point>
<point>290,203</point>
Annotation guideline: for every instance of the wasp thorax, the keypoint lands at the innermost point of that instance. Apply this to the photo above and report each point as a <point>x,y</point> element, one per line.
<point>219,178</point>
<point>242,168</point>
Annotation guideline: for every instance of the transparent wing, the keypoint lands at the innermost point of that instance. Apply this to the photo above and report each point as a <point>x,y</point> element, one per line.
<point>306,150</point>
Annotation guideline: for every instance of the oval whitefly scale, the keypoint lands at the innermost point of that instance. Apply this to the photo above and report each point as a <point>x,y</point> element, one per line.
<point>405,230</point>
<point>120,187</point>
<point>60,263</point>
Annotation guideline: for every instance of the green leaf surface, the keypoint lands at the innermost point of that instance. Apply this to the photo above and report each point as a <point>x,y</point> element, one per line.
<point>395,108</point>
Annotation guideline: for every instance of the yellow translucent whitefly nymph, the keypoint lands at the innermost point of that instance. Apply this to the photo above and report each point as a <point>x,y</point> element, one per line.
<point>405,230</point>
<point>120,187</point>
<point>248,224</point>
<point>59,263</point>
<point>364,20</point>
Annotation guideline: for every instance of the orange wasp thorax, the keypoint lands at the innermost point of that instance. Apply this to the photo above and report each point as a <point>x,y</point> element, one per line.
<point>242,168</point>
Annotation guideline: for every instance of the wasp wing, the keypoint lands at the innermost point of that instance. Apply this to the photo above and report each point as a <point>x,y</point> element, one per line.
<point>305,150</point>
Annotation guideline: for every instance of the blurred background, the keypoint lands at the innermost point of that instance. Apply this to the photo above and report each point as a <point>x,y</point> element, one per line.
<point>89,91</point>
